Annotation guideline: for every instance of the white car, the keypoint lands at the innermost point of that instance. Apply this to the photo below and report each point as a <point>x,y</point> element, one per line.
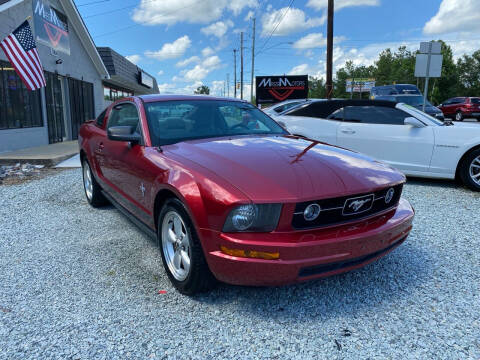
<point>281,107</point>
<point>398,134</point>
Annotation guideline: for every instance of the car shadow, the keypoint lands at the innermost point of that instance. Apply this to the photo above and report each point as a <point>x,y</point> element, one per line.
<point>434,182</point>
<point>381,283</point>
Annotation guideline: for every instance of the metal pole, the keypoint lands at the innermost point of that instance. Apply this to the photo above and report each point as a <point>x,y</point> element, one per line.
<point>235,73</point>
<point>253,60</point>
<point>241,65</point>
<point>329,84</point>
<point>425,90</point>
<point>228,85</point>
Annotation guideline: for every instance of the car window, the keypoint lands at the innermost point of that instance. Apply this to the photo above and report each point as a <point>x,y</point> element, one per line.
<point>101,118</point>
<point>336,115</point>
<point>124,114</point>
<point>171,122</point>
<point>374,115</point>
<point>475,100</point>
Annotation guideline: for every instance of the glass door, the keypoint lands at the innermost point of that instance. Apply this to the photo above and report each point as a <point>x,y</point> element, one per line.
<point>55,108</point>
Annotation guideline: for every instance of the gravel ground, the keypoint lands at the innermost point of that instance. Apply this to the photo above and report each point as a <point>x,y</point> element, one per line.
<point>80,283</point>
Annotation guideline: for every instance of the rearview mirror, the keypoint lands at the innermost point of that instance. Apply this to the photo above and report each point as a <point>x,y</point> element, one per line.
<point>123,133</point>
<point>413,122</point>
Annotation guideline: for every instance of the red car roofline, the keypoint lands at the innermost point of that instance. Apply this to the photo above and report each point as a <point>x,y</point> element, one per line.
<point>158,97</point>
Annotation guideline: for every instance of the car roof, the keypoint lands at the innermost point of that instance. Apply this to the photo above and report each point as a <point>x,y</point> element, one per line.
<point>330,106</point>
<point>158,97</point>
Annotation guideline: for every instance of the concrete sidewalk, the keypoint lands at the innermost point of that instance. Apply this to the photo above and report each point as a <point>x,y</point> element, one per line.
<point>48,155</point>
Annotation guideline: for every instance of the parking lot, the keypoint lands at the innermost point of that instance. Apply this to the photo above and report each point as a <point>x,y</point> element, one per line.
<point>81,283</point>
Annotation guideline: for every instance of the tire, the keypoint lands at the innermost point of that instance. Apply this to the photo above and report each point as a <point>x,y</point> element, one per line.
<point>459,116</point>
<point>93,191</point>
<point>470,170</point>
<point>182,253</point>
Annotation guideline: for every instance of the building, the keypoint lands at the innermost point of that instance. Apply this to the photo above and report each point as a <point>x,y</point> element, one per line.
<point>77,77</point>
<point>126,78</point>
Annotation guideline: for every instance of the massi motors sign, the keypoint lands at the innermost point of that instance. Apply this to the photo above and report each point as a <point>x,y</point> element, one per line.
<point>273,89</point>
<point>51,26</point>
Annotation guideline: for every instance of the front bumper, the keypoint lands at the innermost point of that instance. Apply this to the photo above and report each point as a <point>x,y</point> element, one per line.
<point>307,254</point>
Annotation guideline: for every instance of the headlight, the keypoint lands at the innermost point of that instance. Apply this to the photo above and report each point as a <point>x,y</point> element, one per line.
<point>253,217</point>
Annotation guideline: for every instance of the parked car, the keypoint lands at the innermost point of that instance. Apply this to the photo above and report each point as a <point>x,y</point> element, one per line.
<point>283,106</point>
<point>236,197</point>
<point>396,133</point>
<point>416,101</point>
<point>396,89</point>
<point>460,108</point>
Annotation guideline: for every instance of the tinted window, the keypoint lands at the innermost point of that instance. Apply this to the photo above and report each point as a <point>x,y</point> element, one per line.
<point>318,109</point>
<point>458,101</point>
<point>124,115</point>
<point>101,118</point>
<point>374,115</point>
<point>475,100</point>
<point>337,115</point>
<point>175,121</point>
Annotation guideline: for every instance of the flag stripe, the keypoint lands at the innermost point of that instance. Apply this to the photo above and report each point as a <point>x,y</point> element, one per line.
<point>27,66</point>
<point>34,69</point>
<point>36,57</point>
<point>16,65</point>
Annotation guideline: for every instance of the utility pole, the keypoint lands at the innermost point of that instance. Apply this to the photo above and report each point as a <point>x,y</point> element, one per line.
<point>241,65</point>
<point>329,84</point>
<point>253,60</point>
<point>235,73</point>
<point>228,85</point>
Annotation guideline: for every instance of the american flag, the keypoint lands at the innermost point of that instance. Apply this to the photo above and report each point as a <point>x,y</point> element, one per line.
<point>22,52</point>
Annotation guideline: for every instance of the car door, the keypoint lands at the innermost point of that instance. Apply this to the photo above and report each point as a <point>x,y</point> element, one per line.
<point>380,132</point>
<point>124,161</point>
<point>446,107</point>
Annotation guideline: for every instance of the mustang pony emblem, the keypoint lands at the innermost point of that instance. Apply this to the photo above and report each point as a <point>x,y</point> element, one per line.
<point>357,204</point>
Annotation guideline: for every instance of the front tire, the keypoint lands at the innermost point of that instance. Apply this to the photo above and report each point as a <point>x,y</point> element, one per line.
<point>459,116</point>
<point>470,170</point>
<point>182,253</point>
<point>93,191</point>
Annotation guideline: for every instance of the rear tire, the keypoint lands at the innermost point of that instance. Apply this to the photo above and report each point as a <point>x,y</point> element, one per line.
<point>182,253</point>
<point>470,170</point>
<point>459,116</point>
<point>93,191</point>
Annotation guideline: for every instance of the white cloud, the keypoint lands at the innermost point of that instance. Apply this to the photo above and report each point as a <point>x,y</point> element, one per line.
<point>455,16</point>
<point>199,71</point>
<point>134,58</point>
<point>249,16</point>
<point>218,29</point>
<point>166,88</point>
<point>314,40</point>
<point>169,12</point>
<point>171,50</point>
<point>207,51</point>
<point>301,69</point>
<point>340,4</point>
<point>284,22</point>
<point>160,72</point>
<point>188,61</point>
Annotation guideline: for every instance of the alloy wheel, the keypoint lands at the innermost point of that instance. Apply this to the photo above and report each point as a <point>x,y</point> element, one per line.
<point>475,170</point>
<point>176,245</point>
<point>87,181</point>
<point>458,116</point>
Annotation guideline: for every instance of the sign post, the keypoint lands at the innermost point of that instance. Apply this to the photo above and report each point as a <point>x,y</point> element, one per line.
<point>429,64</point>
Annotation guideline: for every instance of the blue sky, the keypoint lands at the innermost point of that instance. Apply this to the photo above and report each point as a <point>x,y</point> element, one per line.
<point>186,43</point>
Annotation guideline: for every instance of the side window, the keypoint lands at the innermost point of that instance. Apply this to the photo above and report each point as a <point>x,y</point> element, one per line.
<point>101,118</point>
<point>125,114</point>
<point>374,115</point>
<point>337,115</point>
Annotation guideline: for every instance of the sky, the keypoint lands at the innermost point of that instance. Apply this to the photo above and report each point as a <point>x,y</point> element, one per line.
<point>188,43</point>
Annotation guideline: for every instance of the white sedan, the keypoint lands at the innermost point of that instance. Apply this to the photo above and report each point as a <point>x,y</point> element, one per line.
<point>398,134</point>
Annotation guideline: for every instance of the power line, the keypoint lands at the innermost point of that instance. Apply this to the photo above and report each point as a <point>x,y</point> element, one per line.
<point>92,3</point>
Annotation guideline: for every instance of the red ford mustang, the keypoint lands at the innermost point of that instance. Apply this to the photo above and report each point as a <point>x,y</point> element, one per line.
<point>230,195</point>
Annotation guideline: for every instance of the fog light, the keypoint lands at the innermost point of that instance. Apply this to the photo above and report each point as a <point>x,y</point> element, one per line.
<point>311,212</point>
<point>250,253</point>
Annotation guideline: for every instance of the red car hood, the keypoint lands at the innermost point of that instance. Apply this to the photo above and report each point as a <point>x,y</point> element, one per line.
<point>283,168</point>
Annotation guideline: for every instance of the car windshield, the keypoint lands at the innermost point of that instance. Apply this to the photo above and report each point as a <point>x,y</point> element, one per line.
<point>171,122</point>
<point>419,114</point>
<point>412,100</point>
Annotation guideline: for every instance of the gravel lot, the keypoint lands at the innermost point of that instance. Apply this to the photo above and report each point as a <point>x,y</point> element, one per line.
<point>81,283</point>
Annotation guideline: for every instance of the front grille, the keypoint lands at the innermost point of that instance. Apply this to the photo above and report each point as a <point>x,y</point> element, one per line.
<point>346,208</point>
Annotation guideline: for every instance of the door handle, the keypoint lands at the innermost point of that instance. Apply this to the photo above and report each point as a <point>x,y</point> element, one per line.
<point>348,131</point>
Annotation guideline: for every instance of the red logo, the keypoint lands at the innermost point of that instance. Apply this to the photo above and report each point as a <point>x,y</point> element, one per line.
<point>54,33</point>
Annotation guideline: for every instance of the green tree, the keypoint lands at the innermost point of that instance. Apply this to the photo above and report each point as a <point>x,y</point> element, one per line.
<point>447,85</point>
<point>316,88</point>
<point>469,75</point>
<point>204,89</point>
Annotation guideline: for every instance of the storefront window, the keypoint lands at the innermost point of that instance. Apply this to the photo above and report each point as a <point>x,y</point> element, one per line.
<point>112,94</point>
<point>19,107</point>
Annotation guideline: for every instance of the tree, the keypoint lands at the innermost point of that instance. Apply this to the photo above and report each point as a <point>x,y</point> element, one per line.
<point>316,88</point>
<point>469,74</point>
<point>204,89</point>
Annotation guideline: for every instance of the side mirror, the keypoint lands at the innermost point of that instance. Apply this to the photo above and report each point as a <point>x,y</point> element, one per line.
<point>123,133</point>
<point>413,122</point>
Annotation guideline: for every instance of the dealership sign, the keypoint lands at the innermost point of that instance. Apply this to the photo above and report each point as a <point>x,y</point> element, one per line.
<point>360,85</point>
<point>273,89</point>
<point>51,26</point>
